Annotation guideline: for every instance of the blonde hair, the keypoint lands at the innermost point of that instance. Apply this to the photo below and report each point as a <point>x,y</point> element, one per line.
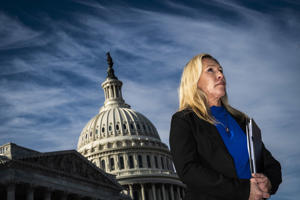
<point>191,97</point>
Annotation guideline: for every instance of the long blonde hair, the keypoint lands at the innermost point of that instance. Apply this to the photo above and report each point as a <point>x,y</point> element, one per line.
<point>191,97</point>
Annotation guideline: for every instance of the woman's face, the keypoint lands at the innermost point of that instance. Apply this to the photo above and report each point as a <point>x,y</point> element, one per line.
<point>212,81</point>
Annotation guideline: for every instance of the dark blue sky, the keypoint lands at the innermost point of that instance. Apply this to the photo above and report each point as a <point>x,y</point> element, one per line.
<point>52,58</point>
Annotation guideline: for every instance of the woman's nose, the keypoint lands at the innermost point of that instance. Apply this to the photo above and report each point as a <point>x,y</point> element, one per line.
<point>220,75</point>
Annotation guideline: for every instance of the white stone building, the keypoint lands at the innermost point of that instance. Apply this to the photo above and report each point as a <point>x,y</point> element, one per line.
<point>125,143</point>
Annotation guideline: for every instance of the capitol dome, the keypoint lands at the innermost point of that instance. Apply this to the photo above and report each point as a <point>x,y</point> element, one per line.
<point>123,142</point>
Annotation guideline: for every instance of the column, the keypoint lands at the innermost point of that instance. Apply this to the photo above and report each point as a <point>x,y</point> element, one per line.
<point>144,156</point>
<point>107,168</point>
<point>130,191</point>
<point>47,195</point>
<point>178,192</point>
<point>117,164</point>
<point>163,191</point>
<point>115,92</point>
<point>182,192</point>
<point>143,191</point>
<point>125,160</point>
<point>153,191</point>
<point>135,161</point>
<point>172,192</point>
<point>107,93</point>
<point>111,93</point>
<point>30,193</point>
<point>152,161</point>
<point>11,188</point>
<point>64,196</point>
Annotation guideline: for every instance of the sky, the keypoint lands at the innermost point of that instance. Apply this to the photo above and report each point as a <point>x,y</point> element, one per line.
<point>53,61</point>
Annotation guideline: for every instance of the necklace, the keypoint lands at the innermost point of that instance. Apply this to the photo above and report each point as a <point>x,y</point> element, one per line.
<point>226,127</point>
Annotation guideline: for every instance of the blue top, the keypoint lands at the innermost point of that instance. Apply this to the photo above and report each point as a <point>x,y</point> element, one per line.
<point>234,139</point>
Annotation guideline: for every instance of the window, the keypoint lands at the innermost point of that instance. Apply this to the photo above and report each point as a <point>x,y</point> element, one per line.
<point>121,161</point>
<point>117,127</point>
<point>124,126</point>
<point>109,128</point>
<point>112,164</point>
<point>148,161</point>
<point>162,162</point>
<point>117,91</point>
<point>140,159</point>
<point>138,126</point>
<point>103,129</point>
<point>96,131</point>
<point>130,162</point>
<point>103,164</point>
<point>156,162</point>
<point>168,163</point>
<point>172,167</point>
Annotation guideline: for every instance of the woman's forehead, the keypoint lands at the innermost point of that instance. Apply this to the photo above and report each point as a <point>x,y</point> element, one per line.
<point>207,62</point>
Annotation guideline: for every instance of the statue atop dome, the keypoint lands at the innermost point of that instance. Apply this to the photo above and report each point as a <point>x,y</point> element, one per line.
<point>110,70</point>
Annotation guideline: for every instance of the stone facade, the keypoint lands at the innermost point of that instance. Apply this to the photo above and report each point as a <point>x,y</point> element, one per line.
<point>123,142</point>
<point>61,175</point>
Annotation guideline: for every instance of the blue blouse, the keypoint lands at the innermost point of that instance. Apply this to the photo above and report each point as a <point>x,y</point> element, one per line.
<point>234,139</point>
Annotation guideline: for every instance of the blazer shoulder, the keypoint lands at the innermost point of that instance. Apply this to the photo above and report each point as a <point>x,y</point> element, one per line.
<point>188,116</point>
<point>184,114</point>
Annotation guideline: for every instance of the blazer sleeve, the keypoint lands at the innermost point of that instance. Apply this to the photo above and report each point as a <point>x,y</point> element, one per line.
<point>272,170</point>
<point>191,171</point>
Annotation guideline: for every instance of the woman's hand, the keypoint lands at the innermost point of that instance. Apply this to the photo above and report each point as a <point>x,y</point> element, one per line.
<point>264,183</point>
<point>255,192</point>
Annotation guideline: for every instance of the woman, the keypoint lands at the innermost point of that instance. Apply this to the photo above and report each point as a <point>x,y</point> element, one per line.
<point>208,141</point>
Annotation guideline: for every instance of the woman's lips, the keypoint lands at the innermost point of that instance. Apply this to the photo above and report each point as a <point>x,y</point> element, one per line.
<point>221,83</point>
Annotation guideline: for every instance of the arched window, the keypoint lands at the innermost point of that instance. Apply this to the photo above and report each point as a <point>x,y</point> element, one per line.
<point>121,161</point>
<point>148,161</point>
<point>162,162</point>
<point>156,161</point>
<point>112,164</point>
<point>131,165</point>
<point>103,164</point>
<point>140,159</point>
<point>168,163</point>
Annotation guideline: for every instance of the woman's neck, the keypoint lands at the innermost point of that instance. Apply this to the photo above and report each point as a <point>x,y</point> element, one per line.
<point>216,102</point>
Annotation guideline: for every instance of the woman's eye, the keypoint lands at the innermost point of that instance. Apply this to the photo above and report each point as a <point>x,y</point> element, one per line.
<point>221,70</point>
<point>210,70</point>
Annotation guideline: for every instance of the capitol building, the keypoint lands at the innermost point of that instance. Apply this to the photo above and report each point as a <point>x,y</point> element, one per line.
<point>119,157</point>
<point>124,143</point>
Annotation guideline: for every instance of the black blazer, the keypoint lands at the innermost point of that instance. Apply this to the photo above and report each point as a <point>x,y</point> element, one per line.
<point>204,164</point>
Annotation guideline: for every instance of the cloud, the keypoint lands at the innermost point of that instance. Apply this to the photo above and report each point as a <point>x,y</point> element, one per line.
<point>48,94</point>
<point>14,34</point>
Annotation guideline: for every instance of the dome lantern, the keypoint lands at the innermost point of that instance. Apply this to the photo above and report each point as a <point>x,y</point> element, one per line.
<point>112,88</point>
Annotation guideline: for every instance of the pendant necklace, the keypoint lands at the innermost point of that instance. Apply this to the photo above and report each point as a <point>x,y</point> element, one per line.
<point>226,124</point>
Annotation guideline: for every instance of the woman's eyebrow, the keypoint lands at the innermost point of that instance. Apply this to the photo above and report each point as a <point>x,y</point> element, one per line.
<point>212,65</point>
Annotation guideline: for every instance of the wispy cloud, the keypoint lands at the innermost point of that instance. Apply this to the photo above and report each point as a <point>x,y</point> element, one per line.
<point>15,35</point>
<point>50,81</point>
